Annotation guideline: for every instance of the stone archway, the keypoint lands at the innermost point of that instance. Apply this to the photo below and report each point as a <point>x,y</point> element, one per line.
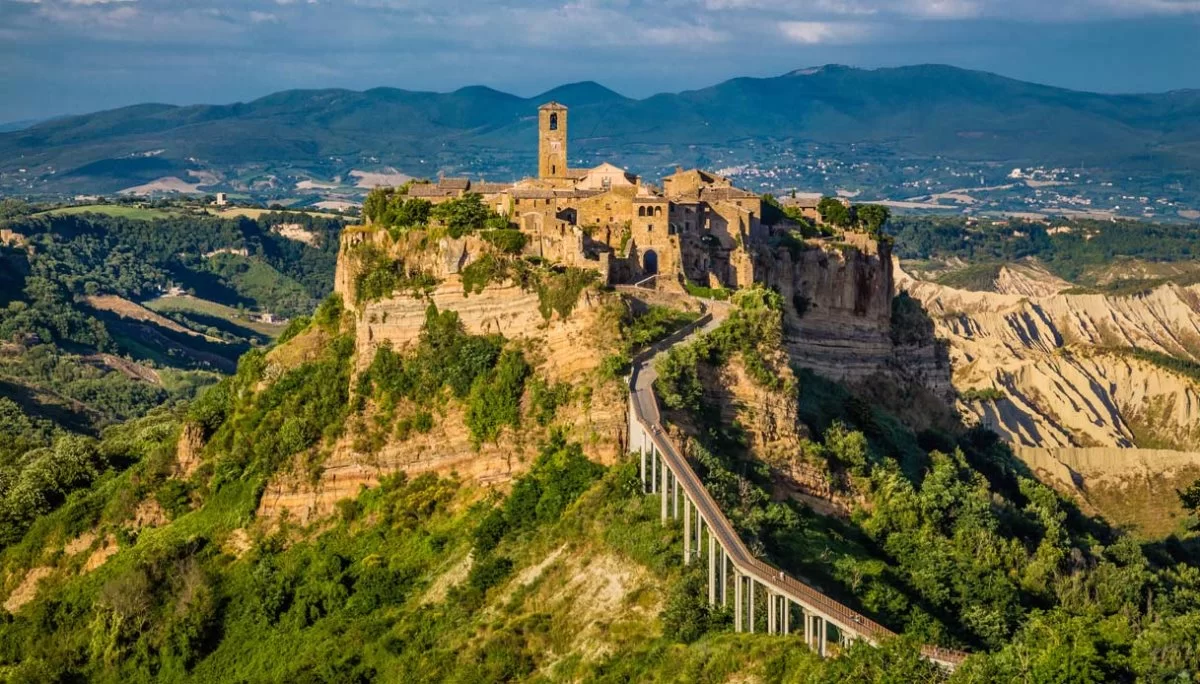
<point>650,262</point>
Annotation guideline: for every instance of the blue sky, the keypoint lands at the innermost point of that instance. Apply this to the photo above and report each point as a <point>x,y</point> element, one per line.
<point>73,56</point>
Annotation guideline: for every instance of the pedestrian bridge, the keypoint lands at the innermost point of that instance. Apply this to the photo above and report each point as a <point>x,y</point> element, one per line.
<point>734,574</point>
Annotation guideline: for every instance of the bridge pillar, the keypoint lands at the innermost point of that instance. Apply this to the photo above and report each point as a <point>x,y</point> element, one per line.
<point>824,625</point>
<point>675,496</point>
<point>642,470</point>
<point>653,470</point>
<point>751,603</point>
<point>687,532</point>
<point>737,601</point>
<point>712,569</point>
<point>665,496</point>
<point>724,578</point>
<point>770,611</point>
<point>787,615</point>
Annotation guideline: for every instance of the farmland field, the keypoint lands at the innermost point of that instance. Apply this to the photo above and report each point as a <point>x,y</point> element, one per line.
<point>187,304</point>
<point>121,210</point>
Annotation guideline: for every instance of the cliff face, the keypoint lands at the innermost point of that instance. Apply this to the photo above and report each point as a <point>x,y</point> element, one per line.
<point>838,307</point>
<point>1060,363</point>
<point>560,349</point>
<point>569,348</point>
<point>598,422</point>
<point>1129,487</point>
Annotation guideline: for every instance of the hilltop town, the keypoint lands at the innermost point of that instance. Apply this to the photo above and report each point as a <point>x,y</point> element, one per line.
<point>696,229</point>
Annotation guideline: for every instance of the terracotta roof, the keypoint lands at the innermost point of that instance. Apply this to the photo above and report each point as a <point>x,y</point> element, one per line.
<point>533,193</point>
<point>576,173</point>
<point>726,194</point>
<point>428,190</point>
<point>553,105</point>
<point>705,176</point>
<point>454,183</point>
<point>801,202</point>
<point>490,188</point>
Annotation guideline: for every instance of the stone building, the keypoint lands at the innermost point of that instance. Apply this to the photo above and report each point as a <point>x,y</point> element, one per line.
<point>697,228</point>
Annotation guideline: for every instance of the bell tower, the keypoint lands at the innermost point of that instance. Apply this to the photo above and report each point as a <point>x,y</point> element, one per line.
<point>552,140</point>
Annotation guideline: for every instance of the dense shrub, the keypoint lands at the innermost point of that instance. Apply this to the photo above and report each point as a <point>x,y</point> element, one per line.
<point>507,240</point>
<point>378,275</point>
<point>560,292</point>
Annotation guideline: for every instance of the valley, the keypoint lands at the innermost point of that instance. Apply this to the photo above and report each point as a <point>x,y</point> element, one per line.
<point>404,448</point>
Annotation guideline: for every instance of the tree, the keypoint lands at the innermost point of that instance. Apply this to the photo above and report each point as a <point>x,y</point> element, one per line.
<point>463,215</point>
<point>1190,497</point>
<point>872,217</point>
<point>834,212</point>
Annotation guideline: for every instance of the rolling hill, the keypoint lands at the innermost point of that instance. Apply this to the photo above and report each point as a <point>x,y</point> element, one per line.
<point>890,115</point>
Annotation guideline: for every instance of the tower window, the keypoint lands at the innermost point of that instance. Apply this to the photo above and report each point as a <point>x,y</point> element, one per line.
<point>553,170</point>
<point>554,122</point>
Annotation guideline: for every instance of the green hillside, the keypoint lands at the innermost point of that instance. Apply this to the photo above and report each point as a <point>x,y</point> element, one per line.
<point>79,351</point>
<point>155,570</point>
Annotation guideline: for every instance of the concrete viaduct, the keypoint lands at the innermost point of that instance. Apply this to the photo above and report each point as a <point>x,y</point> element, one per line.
<point>735,574</point>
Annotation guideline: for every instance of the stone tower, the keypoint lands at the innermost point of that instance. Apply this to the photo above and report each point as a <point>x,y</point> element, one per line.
<point>552,140</point>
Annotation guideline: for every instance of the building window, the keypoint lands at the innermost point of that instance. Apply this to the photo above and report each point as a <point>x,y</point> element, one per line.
<point>649,227</point>
<point>554,122</point>
<point>553,170</point>
<point>658,211</point>
<point>641,211</point>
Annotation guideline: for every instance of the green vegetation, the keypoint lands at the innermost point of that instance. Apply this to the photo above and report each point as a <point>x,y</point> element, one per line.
<point>703,292</point>
<point>467,214</point>
<point>81,367</point>
<point>559,291</point>
<point>977,277</point>
<point>484,271</point>
<point>752,331</point>
<point>118,210</point>
<point>910,324</point>
<point>656,323</point>
<point>1069,249</point>
<point>391,208</point>
<point>198,312</point>
<point>1185,367</point>
<point>377,275</point>
<point>449,363</point>
<point>256,434</point>
<point>957,543</point>
<point>507,240</point>
<point>982,394</point>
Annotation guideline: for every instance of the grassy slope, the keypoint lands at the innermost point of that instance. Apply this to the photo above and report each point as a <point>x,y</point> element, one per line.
<point>188,304</point>
<point>120,210</point>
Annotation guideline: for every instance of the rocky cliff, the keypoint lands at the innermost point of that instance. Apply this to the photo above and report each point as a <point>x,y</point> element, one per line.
<point>838,299</point>
<point>560,349</point>
<point>1063,365</point>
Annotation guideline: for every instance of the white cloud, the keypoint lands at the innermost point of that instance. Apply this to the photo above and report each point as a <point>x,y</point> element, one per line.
<point>262,17</point>
<point>824,32</point>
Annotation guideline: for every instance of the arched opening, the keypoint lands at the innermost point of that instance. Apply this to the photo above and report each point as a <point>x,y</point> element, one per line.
<point>641,211</point>
<point>658,211</point>
<point>650,262</point>
<point>554,122</point>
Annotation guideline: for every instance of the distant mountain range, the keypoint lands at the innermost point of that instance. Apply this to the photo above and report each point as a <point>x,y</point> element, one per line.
<point>885,117</point>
